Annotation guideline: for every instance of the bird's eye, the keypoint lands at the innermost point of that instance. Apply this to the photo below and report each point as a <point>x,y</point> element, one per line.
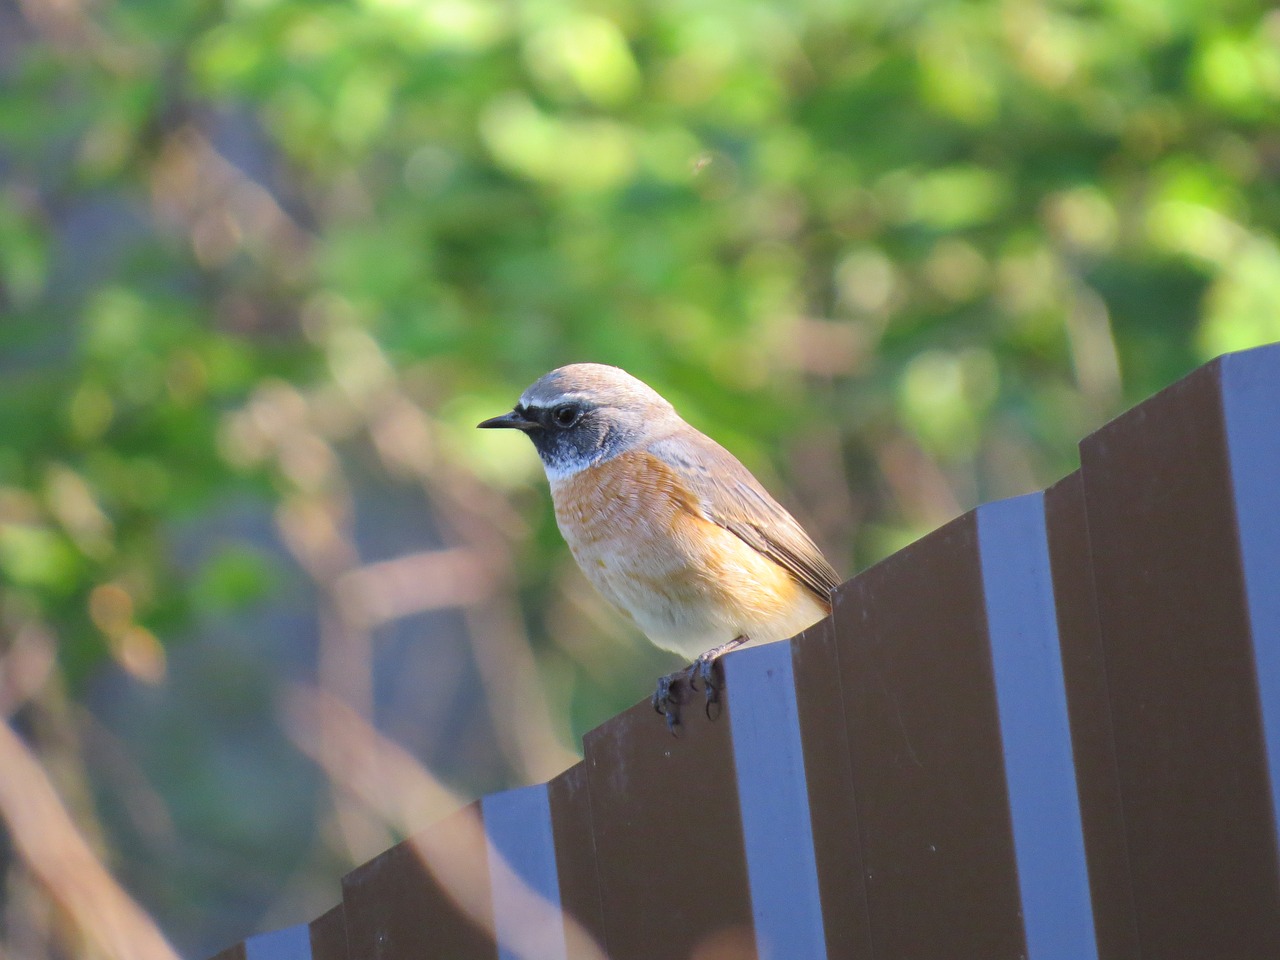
<point>566,416</point>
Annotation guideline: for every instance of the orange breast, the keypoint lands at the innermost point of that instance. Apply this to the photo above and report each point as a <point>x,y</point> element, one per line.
<point>641,539</point>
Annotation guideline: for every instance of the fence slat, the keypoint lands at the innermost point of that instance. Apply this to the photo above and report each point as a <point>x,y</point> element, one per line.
<point>398,909</point>
<point>522,861</point>
<point>329,935</point>
<point>928,768</point>
<point>291,943</point>
<point>572,826</point>
<point>1035,731</point>
<point>1181,665</point>
<point>1090,711</point>
<point>833,808</point>
<point>673,878</point>
<point>1251,407</point>
<point>773,797</point>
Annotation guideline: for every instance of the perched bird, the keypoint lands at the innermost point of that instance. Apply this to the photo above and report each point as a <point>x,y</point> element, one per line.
<point>667,524</point>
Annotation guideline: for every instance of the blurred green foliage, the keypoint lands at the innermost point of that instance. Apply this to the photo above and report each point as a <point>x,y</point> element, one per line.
<point>957,222</point>
<point>899,256</point>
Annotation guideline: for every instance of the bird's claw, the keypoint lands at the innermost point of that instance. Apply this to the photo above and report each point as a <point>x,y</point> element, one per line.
<point>669,696</point>
<point>704,669</point>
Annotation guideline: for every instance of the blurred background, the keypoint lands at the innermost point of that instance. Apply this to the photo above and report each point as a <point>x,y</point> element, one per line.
<point>265,263</point>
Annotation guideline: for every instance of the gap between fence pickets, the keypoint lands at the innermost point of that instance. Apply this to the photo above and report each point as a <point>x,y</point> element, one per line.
<point>291,943</point>
<point>1035,729</point>
<point>773,801</point>
<point>1250,385</point>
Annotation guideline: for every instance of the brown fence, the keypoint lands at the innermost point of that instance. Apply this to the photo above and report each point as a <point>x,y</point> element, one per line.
<point>1050,729</point>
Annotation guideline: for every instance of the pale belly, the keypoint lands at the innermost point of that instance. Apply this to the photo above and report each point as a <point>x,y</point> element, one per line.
<point>689,584</point>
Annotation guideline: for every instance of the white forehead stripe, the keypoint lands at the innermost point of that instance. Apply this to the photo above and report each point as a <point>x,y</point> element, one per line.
<point>527,399</point>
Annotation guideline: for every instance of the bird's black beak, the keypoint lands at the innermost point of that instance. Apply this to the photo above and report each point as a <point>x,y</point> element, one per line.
<point>515,420</point>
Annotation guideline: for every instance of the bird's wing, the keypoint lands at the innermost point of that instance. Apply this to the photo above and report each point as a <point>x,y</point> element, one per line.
<point>732,498</point>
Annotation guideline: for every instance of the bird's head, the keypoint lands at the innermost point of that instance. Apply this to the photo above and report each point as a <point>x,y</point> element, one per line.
<point>585,413</point>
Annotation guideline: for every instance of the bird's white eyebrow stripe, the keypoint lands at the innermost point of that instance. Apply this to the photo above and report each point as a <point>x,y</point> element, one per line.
<point>579,398</point>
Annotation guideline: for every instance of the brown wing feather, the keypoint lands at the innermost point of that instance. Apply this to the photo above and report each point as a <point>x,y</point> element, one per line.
<point>734,499</point>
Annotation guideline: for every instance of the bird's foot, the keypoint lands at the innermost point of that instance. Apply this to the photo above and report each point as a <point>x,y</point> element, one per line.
<point>705,669</point>
<point>669,695</point>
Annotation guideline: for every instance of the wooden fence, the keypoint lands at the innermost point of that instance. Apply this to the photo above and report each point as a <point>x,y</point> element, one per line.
<point>1050,729</point>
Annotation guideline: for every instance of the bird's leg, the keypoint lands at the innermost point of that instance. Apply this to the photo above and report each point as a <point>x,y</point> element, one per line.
<point>704,667</point>
<point>669,696</point>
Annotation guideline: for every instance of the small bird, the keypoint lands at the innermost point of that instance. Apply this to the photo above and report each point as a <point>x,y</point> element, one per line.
<point>667,524</point>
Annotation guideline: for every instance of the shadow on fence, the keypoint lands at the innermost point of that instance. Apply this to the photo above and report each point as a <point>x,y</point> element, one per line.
<point>1050,729</point>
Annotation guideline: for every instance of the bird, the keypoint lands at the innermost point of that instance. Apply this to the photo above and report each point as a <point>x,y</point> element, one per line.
<point>667,524</point>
